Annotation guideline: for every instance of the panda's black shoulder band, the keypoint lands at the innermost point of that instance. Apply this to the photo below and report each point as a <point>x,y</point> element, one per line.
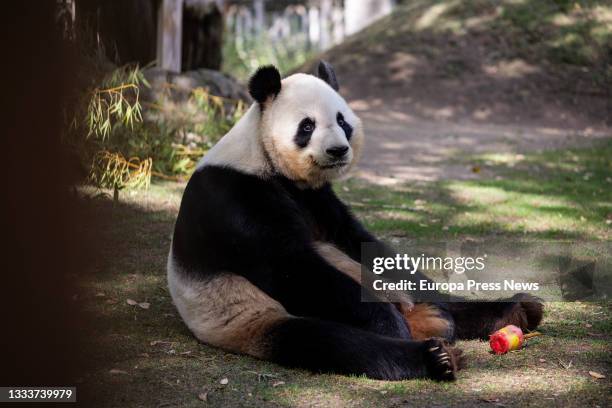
<point>264,83</point>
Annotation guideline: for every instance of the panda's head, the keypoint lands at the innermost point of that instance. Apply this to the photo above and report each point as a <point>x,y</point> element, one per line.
<point>309,133</point>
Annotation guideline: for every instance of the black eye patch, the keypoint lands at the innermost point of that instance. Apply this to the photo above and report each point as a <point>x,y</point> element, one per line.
<point>304,132</point>
<point>348,129</point>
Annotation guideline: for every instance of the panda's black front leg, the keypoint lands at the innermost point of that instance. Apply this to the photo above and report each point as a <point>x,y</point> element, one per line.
<point>315,288</point>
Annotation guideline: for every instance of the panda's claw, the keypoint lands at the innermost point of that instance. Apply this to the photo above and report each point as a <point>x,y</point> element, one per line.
<point>442,360</point>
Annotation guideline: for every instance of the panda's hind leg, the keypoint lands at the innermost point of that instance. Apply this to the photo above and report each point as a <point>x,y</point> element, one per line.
<point>229,312</point>
<point>477,320</point>
<point>427,320</point>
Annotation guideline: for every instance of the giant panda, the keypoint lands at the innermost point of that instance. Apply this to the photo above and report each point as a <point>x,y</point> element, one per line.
<point>265,258</point>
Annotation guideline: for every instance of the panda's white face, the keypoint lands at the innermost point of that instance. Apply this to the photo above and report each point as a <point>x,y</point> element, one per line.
<point>309,132</point>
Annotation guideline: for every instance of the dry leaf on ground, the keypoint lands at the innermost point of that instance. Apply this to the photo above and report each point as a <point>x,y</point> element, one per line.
<point>597,375</point>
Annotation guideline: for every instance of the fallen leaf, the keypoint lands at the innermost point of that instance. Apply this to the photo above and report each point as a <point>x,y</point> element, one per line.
<point>203,396</point>
<point>490,399</point>
<point>100,294</point>
<point>161,342</point>
<point>144,305</point>
<point>542,360</point>
<point>224,381</point>
<point>588,325</point>
<point>278,383</point>
<point>597,375</point>
<point>117,371</point>
<point>476,169</point>
<point>131,302</point>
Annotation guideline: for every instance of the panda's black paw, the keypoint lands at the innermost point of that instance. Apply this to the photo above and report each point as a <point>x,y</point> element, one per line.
<point>526,312</point>
<point>442,360</point>
<point>533,308</point>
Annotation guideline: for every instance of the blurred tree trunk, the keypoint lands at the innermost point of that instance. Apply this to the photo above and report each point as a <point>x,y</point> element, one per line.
<point>126,29</point>
<point>169,35</point>
<point>203,27</point>
<point>360,13</point>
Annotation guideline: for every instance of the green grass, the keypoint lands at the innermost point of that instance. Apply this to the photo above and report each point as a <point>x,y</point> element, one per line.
<point>534,195</point>
<point>558,194</point>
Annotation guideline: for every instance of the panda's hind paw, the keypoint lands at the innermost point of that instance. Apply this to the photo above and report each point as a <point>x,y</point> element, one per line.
<point>442,360</point>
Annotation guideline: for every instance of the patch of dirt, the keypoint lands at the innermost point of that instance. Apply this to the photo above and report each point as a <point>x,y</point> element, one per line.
<point>428,96</point>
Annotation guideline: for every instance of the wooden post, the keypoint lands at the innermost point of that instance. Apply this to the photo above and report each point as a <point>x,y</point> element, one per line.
<point>260,25</point>
<point>169,35</point>
<point>325,19</point>
<point>360,13</point>
<point>314,28</point>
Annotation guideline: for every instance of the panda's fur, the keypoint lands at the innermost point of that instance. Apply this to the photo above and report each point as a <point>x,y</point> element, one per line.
<point>265,258</point>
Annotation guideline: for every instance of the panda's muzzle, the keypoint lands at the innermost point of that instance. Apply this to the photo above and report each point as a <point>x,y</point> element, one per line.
<point>333,165</point>
<point>337,152</point>
<point>336,157</point>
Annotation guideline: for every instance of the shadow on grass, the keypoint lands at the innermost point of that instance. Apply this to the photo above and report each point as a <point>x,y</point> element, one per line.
<point>558,195</point>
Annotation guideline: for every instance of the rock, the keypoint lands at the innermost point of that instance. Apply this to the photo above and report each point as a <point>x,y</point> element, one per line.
<point>179,86</point>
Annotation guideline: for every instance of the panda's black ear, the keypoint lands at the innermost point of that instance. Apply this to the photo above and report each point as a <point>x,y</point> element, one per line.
<point>265,82</point>
<point>326,73</point>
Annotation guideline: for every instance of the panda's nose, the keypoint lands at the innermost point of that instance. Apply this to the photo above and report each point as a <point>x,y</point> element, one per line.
<point>337,151</point>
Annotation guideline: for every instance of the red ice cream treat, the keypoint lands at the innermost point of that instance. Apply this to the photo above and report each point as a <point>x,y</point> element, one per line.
<point>506,339</point>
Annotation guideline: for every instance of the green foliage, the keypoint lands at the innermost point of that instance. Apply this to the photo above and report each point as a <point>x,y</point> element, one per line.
<point>123,145</point>
<point>112,170</point>
<point>185,130</point>
<point>241,57</point>
<point>217,119</point>
<point>115,104</point>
